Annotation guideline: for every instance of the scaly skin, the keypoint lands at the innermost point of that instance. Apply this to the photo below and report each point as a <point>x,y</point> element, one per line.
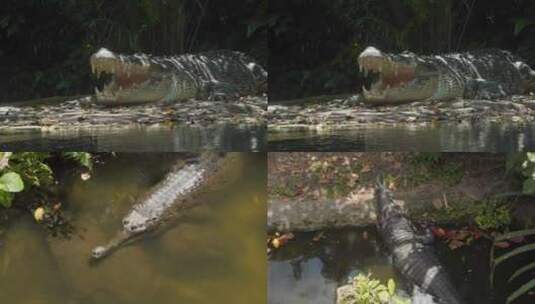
<point>175,192</point>
<point>405,77</point>
<point>412,255</point>
<point>143,78</point>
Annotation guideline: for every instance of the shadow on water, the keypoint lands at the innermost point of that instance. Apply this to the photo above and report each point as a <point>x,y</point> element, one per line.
<point>309,271</point>
<point>478,137</point>
<point>212,254</point>
<point>138,139</point>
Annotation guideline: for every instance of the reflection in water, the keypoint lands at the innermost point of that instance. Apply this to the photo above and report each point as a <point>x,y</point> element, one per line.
<point>477,137</point>
<point>137,139</point>
<point>308,271</point>
<point>213,254</point>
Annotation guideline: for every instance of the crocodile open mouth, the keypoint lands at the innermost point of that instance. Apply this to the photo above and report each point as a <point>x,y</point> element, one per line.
<point>396,78</point>
<point>125,76</point>
<point>390,78</point>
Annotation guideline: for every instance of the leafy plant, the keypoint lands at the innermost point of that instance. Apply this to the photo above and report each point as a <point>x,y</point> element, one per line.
<point>372,291</point>
<point>83,158</point>
<point>496,261</point>
<point>493,215</point>
<point>22,171</point>
<point>525,164</point>
<point>10,182</point>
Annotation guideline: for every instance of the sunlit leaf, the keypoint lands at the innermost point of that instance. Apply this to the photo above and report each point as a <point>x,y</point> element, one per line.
<point>391,287</point>
<point>11,182</point>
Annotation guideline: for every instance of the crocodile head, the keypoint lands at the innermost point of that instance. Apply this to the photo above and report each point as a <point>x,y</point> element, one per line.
<point>134,224</point>
<point>397,78</point>
<point>134,79</point>
<point>385,206</point>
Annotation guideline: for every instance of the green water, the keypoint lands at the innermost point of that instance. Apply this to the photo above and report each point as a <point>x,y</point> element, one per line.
<point>214,253</point>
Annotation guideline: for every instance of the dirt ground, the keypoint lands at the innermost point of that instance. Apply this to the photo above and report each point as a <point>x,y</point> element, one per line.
<point>306,176</point>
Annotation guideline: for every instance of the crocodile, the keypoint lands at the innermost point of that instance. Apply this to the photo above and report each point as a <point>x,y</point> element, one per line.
<point>480,74</point>
<point>412,253</point>
<point>141,78</point>
<point>176,191</point>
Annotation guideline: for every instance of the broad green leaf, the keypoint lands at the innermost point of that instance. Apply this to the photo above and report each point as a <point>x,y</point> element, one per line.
<point>11,182</point>
<point>391,287</point>
<point>5,199</point>
<point>384,296</point>
<point>531,156</point>
<point>529,186</point>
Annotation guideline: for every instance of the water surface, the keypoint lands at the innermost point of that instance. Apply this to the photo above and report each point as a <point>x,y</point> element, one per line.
<point>445,137</point>
<point>214,253</point>
<point>308,271</point>
<point>137,139</point>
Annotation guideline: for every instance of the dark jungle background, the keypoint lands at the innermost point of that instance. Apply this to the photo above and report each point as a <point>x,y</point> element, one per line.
<point>45,44</point>
<point>314,43</point>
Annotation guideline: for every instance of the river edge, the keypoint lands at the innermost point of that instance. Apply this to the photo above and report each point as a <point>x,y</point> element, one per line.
<point>322,114</point>
<point>83,113</point>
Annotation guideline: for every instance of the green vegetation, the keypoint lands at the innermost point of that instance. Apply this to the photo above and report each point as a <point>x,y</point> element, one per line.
<point>492,215</point>
<point>317,58</point>
<point>372,291</point>
<point>23,171</point>
<point>45,45</point>
<point>524,163</point>
<point>488,215</point>
<point>523,249</point>
<point>427,166</point>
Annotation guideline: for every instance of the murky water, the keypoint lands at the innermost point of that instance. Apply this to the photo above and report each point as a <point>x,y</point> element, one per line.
<point>491,137</point>
<point>138,139</point>
<point>214,253</point>
<point>308,271</point>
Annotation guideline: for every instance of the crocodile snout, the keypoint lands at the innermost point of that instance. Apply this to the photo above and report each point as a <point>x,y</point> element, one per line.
<point>98,252</point>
